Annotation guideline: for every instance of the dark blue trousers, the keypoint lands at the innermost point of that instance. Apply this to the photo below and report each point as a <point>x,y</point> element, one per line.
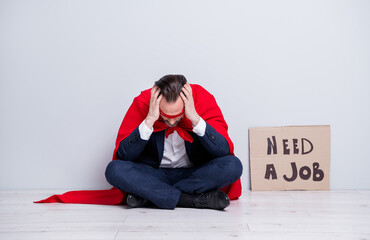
<point>163,186</point>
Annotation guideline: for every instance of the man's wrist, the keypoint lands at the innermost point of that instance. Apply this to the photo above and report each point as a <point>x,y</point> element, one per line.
<point>149,122</point>
<point>144,131</point>
<point>200,128</point>
<point>195,120</point>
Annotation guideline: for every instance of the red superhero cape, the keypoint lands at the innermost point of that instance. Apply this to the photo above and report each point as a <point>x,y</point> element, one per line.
<point>206,107</point>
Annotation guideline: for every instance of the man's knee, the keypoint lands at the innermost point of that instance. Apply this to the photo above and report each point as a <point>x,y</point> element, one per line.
<point>232,166</point>
<point>237,166</point>
<point>116,168</point>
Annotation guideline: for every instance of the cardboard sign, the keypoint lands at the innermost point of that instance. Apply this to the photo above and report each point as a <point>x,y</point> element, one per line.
<point>290,158</point>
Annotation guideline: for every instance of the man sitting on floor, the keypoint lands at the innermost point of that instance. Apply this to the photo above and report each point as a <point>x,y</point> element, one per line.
<point>173,149</point>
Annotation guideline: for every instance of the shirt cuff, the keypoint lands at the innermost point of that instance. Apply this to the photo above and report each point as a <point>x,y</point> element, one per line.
<point>200,128</point>
<point>144,131</point>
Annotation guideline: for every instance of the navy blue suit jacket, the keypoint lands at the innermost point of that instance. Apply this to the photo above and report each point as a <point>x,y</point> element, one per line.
<point>203,149</point>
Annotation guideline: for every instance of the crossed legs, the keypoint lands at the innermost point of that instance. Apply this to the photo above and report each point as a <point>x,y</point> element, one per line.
<point>163,187</point>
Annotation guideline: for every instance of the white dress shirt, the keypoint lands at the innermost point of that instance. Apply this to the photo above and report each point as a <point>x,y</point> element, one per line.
<point>174,154</point>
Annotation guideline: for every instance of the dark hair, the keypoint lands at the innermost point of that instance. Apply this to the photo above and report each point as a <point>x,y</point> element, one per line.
<point>171,86</point>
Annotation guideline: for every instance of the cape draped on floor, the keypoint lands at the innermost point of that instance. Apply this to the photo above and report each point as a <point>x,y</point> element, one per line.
<point>206,107</point>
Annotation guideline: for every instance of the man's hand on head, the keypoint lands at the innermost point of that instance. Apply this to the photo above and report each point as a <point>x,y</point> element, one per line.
<point>187,97</point>
<point>155,99</point>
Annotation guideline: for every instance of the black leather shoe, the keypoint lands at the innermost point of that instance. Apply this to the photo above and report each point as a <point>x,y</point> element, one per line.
<point>213,199</point>
<point>136,201</point>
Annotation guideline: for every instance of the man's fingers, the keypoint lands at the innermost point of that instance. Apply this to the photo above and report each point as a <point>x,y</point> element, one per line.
<point>154,88</point>
<point>156,93</point>
<point>186,92</point>
<point>183,97</point>
<point>159,99</point>
<point>152,92</point>
<point>188,87</point>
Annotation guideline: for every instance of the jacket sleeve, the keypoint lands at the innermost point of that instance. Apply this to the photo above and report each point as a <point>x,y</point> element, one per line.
<point>214,143</point>
<point>132,146</point>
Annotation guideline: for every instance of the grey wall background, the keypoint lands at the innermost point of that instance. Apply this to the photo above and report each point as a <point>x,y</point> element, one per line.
<point>70,69</point>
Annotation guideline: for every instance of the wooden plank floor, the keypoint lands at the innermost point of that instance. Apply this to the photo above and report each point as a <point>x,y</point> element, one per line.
<point>257,215</point>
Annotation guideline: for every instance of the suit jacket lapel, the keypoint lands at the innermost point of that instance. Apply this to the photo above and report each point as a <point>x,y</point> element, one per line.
<point>159,140</point>
<point>188,148</point>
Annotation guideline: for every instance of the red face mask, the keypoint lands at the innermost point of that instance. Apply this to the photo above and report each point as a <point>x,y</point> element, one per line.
<point>172,116</point>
